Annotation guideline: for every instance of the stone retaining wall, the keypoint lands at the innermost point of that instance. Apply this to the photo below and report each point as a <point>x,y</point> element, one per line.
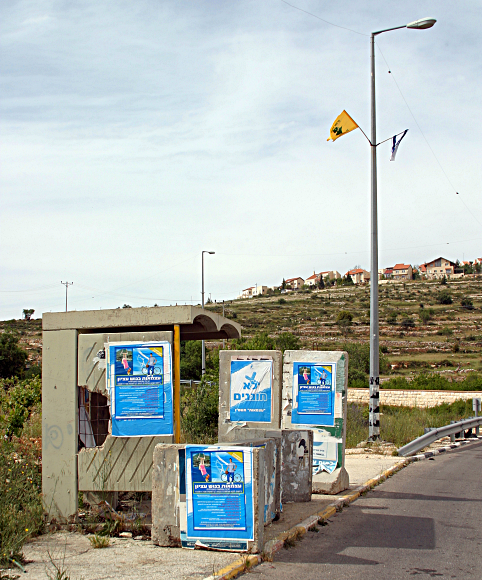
<point>408,398</point>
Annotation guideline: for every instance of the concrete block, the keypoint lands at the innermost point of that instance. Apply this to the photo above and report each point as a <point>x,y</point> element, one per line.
<point>331,483</point>
<point>272,474</point>
<point>226,425</point>
<point>328,440</point>
<point>296,465</point>
<point>166,495</point>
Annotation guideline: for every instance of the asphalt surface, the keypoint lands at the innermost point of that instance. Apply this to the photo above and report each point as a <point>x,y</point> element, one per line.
<point>424,522</point>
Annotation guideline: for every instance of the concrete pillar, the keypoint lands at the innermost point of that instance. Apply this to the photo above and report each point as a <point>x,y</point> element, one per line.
<point>166,495</point>
<point>59,424</point>
<point>226,424</point>
<point>325,436</point>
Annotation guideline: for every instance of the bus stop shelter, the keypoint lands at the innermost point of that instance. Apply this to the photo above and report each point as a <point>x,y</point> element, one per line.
<point>74,393</point>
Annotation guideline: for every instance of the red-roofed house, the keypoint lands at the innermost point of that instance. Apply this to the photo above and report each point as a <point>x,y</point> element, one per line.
<point>295,283</point>
<point>438,268</point>
<point>359,276</point>
<point>402,272</point>
<point>313,279</point>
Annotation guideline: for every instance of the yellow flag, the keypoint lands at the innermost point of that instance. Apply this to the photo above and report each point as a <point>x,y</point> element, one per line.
<point>343,124</point>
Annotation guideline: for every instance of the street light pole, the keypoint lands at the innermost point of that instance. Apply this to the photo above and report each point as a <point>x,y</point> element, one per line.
<point>374,407</point>
<point>203,361</point>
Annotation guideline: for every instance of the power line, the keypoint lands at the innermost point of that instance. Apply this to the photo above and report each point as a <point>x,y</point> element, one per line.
<point>425,138</point>
<point>323,20</point>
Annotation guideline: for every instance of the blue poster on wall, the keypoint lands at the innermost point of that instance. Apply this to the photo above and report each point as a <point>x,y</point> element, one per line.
<point>250,390</point>
<point>314,393</point>
<point>140,387</point>
<point>219,496</point>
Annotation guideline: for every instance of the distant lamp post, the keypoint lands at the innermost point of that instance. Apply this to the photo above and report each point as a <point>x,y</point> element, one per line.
<point>374,415</point>
<point>203,364</point>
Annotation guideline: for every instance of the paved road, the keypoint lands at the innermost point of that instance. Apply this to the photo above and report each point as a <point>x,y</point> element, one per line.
<point>425,522</point>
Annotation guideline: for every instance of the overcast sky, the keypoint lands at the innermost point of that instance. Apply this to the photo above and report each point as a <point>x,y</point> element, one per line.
<point>134,135</point>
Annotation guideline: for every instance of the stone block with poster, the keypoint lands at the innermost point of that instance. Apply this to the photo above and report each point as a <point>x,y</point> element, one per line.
<point>249,391</point>
<point>314,397</point>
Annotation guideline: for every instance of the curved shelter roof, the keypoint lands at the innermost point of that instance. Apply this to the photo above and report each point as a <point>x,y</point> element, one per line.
<point>195,323</point>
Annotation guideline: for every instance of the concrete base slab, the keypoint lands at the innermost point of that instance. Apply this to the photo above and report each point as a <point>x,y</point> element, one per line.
<point>331,483</point>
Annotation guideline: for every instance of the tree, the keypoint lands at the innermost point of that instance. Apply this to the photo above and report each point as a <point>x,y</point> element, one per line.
<point>443,281</point>
<point>426,314</point>
<point>408,322</point>
<point>359,363</point>
<point>27,313</point>
<point>191,360</point>
<point>283,284</point>
<point>467,303</point>
<point>127,306</point>
<point>12,357</point>
<point>288,341</point>
<point>348,280</point>
<point>343,321</point>
<point>321,284</point>
<point>444,297</point>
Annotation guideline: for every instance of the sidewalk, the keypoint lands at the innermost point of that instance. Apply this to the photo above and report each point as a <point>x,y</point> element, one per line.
<point>131,559</point>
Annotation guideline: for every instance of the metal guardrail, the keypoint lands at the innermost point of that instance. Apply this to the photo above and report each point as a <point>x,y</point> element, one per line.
<point>438,433</point>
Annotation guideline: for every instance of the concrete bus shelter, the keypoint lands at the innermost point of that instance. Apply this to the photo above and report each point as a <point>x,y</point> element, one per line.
<point>71,363</point>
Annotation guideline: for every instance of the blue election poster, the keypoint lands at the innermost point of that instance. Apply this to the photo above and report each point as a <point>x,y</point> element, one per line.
<point>314,393</point>
<point>219,493</point>
<point>250,390</point>
<point>140,386</point>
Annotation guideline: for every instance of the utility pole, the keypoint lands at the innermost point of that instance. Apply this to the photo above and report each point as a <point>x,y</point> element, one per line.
<point>223,317</point>
<point>66,284</point>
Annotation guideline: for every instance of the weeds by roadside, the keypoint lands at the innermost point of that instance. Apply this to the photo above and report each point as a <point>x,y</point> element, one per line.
<point>99,542</point>
<point>400,425</point>
<point>21,513</point>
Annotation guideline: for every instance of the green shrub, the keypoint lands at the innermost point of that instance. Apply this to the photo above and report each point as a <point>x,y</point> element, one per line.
<point>21,511</point>
<point>12,357</point>
<point>17,400</point>
<point>467,303</point>
<point>281,301</point>
<point>199,413</point>
<point>445,331</point>
<point>444,297</point>
<point>344,315</point>
<point>435,382</point>
<point>392,318</point>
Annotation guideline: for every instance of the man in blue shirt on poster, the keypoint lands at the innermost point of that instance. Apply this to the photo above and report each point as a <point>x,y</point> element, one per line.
<point>231,468</point>
<point>151,363</point>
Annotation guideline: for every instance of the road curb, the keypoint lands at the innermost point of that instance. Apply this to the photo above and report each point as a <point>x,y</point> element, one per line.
<point>296,532</point>
<point>429,454</point>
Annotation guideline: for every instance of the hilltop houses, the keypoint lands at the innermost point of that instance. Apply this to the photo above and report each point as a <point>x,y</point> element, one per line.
<point>400,272</point>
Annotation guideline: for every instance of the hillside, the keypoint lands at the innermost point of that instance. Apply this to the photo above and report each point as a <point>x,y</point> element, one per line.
<point>444,337</point>
<point>449,338</point>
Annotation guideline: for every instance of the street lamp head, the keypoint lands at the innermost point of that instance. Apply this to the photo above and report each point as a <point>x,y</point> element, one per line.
<point>422,23</point>
<point>211,252</point>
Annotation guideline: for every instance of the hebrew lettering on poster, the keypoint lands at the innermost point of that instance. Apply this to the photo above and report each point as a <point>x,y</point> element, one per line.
<point>139,382</point>
<point>251,390</point>
<point>219,497</point>
<point>314,387</point>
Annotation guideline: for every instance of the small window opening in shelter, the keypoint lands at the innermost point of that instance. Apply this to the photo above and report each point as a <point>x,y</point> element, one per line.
<point>92,419</point>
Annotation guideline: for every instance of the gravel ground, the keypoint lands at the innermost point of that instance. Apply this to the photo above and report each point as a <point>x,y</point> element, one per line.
<point>139,559</point>
<point>124,559</point>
